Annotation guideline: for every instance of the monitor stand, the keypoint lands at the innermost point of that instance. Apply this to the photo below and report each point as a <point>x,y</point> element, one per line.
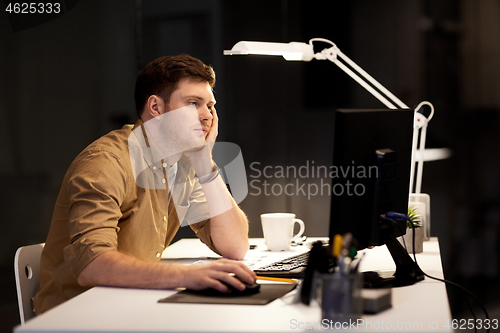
<point>407,271</point>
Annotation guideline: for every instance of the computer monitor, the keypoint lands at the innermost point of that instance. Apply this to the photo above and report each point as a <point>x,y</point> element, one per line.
<point>371,176</point>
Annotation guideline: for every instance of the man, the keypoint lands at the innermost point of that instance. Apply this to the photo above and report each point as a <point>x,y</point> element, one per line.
<point>109,228</point>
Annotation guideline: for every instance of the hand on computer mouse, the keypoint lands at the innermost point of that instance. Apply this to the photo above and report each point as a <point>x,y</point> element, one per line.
<point>219,275</point>
<point>249,289</point>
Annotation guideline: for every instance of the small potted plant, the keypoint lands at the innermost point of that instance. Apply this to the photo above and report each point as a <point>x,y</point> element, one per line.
<point>407,239</point>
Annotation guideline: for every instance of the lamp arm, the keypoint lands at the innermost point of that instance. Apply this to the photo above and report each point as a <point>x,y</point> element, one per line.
<point>333,53</point>
<point>420,162</point>
<point>420,121</point>
<point>393,98</point>
<point>359,80</point>
<point>413,153</point>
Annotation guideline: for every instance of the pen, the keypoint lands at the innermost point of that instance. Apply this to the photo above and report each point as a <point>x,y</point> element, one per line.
<point>346,244</point>
<point>338,241</point>
<point>345,259</point>
<point>267,278</point>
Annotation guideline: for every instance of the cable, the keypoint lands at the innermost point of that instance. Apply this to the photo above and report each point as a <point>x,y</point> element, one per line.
<point>453,284</point>
<point>462,289</point>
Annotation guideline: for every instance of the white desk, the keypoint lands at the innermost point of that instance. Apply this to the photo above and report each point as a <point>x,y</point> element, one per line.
<point>134,310</point>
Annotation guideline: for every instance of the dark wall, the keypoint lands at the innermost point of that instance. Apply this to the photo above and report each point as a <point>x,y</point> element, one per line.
<point>62,85</point>
<point>68,81</point>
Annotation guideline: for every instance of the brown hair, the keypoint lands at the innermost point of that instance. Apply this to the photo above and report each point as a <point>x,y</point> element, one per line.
<point>161,77</point>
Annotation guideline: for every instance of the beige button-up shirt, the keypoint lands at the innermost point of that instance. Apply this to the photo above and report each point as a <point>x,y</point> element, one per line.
<point>101,208</point>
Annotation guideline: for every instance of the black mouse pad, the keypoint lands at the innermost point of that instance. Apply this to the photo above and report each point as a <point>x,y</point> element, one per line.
<point>268,292</point>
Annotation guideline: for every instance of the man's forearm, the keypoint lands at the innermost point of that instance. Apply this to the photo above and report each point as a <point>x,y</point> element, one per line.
<point>114,268</point>
<point>229,232</point>
<point>228,223</point>
<point>117,269</point>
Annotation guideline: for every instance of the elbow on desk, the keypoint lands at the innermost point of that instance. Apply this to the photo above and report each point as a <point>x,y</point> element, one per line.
<point>85,280</point>
<point>92,274</point>
<point>236,252</point>
<point>238,256</point>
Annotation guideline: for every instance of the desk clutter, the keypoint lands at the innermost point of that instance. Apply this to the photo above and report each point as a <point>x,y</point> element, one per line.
<point>332,279</point>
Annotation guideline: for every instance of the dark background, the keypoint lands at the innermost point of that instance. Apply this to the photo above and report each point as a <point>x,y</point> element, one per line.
<point>65,82</point>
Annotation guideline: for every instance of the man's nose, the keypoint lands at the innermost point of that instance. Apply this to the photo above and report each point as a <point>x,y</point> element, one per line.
<point>204,113</point>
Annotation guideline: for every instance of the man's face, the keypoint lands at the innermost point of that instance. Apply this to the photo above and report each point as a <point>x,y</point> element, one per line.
<point>200,95</point>
<point>184,123</point>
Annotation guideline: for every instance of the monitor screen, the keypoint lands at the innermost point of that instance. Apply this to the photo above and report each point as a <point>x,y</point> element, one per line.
<point>370,172</point>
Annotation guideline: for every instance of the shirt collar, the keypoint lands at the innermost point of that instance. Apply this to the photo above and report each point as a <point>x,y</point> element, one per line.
<point>170,160</point>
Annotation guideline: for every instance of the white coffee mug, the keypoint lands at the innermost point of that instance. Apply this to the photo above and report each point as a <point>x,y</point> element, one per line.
<point>278,230</point>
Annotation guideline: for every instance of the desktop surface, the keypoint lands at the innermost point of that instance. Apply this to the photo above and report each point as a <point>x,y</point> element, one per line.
<point>190,250</point>
<point>422,307</point>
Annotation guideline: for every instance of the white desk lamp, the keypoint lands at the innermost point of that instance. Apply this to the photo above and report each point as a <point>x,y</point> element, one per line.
<point>295,51</point>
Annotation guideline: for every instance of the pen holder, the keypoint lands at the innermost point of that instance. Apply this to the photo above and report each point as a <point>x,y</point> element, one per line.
<point>339,296</point>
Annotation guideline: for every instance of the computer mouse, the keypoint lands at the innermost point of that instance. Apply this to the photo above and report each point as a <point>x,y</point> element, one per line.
<point>250,289</point>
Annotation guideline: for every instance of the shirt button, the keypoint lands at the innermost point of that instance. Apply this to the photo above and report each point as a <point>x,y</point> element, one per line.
<point>154,168</point>
<point>165,218</point>
<point>163,180</point>
<point>158,254</point>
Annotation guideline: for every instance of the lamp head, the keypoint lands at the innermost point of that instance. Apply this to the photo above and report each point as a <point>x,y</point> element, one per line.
<point>293,51</point>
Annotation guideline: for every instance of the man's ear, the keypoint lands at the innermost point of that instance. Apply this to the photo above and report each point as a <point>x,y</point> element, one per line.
<point>155,106</point>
